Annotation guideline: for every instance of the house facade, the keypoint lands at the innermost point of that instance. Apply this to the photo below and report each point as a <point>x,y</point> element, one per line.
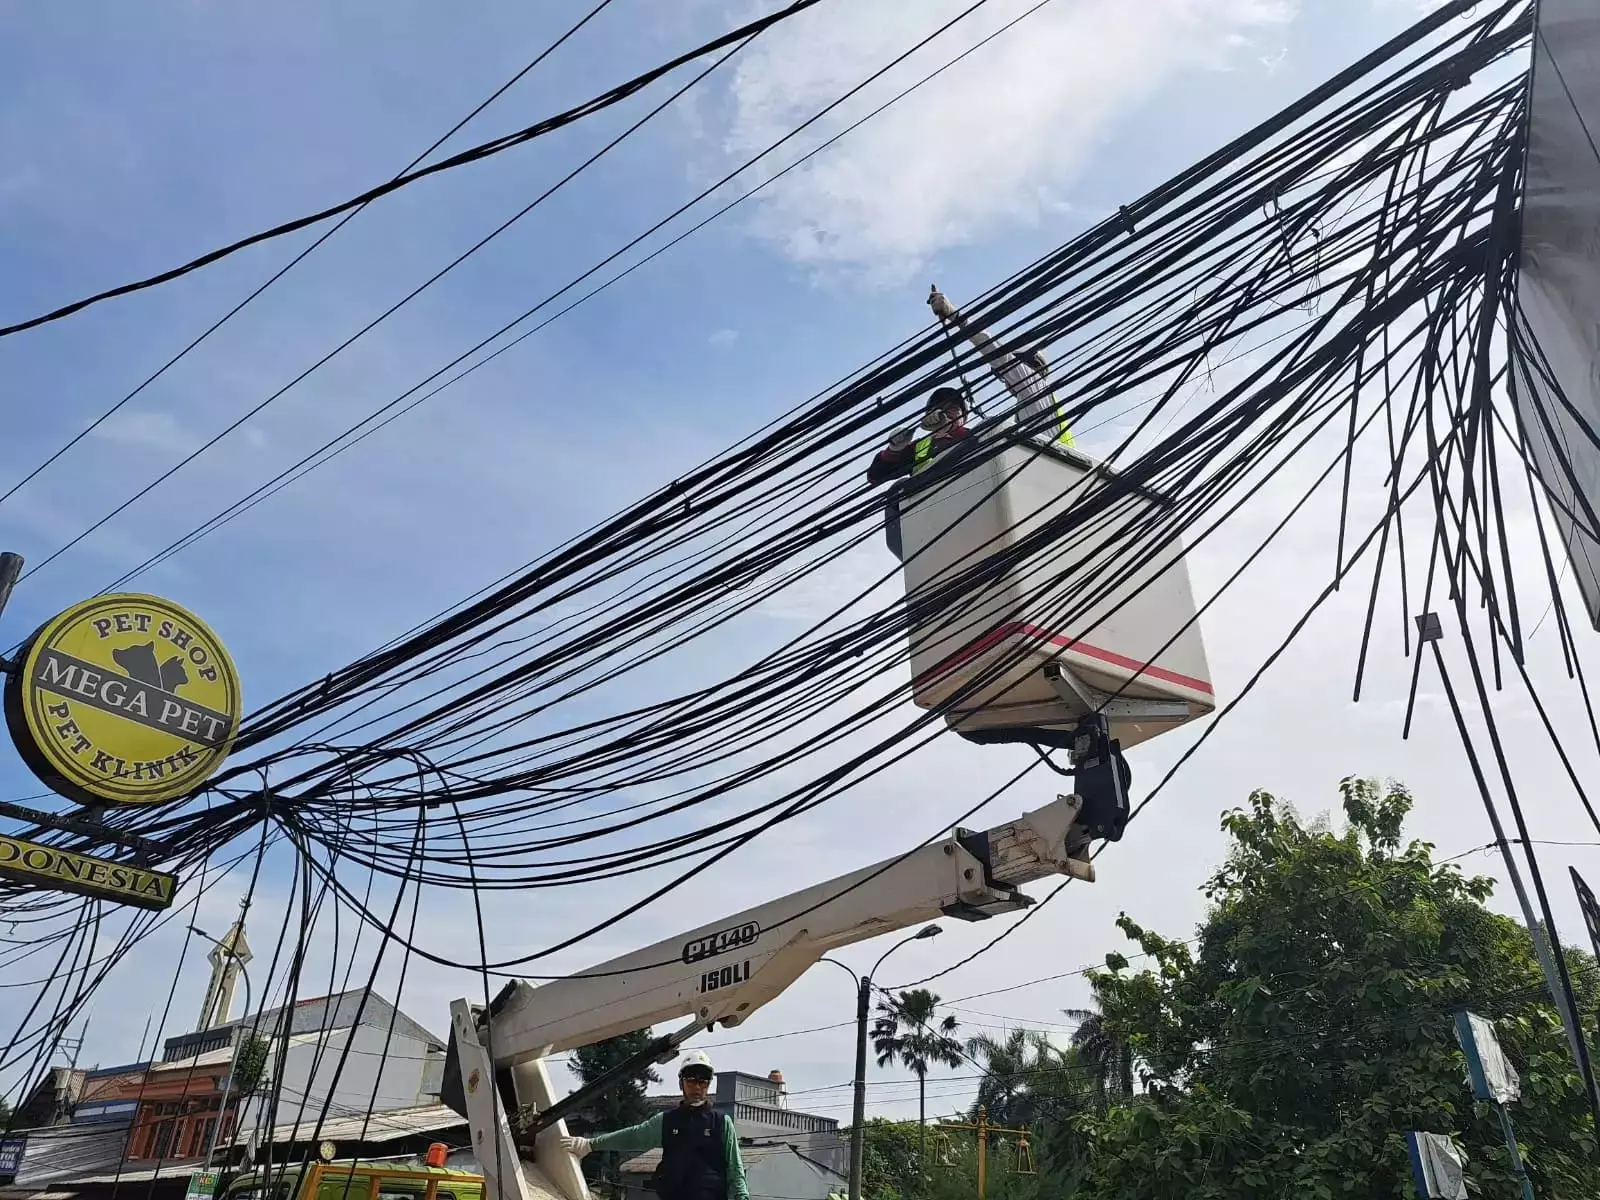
<point>181,1107</point>
<point>352,1052</point>
<point>349,1052</point>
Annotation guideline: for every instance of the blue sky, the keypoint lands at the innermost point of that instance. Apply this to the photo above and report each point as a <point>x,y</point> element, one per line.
<point>133,138</point>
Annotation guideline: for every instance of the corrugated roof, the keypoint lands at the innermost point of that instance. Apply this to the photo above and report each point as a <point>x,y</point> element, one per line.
<point>211,1058</point>
<point>377,1127</point>
<point>172,1168</point>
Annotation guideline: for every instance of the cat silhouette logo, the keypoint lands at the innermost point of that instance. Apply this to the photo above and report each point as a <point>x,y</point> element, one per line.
<point>126,699</point>
<point>140,663</point>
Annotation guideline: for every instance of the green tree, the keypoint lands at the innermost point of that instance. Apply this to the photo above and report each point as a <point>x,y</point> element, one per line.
<point>890,1170</point>
<point>888,1159</point>
<point>250,1065</point>
<point>1311,1026</point>
<point>1030,1083</point>
<point>1108,1056</point>
<point>908,1031</point>
<point>617,1107</point>
<point>1013,1067</point>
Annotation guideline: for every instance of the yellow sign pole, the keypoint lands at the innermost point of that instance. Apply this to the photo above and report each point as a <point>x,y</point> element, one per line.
<point>983,1129</point>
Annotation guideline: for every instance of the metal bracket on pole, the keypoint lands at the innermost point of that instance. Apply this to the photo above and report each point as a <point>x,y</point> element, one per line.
<point>146,849</point>
<point>1075,691</point>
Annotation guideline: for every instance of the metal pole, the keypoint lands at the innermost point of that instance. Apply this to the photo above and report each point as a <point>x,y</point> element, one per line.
<point>1537,929</point>
<point>983,1150</point>
<point>858,1133</point>
<point>227,1081</point>
<point>863,1009</point>
<point>1517,1168</point>
<point>10,572</point>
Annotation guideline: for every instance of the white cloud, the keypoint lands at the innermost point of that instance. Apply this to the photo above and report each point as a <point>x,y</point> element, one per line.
<point>723,337</point>
<point>994,141</point>
<point>147,430</point>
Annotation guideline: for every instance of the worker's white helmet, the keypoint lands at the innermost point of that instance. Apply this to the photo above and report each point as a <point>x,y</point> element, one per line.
<point>696,1062</point>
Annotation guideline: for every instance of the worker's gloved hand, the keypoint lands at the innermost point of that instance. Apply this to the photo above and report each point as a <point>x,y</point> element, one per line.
<point>942,308</point>
<point>576,1146</point>
<point>901,438</point>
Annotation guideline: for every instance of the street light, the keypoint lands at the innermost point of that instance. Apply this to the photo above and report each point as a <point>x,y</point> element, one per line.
<point>863,1009</point>
<point>227,1081</point>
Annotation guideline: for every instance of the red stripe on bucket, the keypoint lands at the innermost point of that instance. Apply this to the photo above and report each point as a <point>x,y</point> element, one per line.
<point>1056,639</point>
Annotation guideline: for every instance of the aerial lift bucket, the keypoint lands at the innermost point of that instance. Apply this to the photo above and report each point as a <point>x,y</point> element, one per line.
<point>1041,588</point>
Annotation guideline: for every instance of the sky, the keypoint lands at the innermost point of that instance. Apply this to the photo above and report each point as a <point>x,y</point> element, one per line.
<point>133,139</point>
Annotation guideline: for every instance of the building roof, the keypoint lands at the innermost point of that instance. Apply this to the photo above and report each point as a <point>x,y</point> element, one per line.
<point>317,1014</point>
<point>172,1168</point>
<point>212,1058</point>
<point>125,1069</point>
<point>378,1127</point>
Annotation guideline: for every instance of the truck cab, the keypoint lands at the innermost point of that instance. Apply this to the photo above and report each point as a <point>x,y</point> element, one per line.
<point>376,1180</point>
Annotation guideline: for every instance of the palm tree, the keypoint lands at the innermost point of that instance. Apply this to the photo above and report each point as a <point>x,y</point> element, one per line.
<point>1030,1083</point>
<point>1010,1075</point>
<point>906,1032</point>
<point>1109,1056</point>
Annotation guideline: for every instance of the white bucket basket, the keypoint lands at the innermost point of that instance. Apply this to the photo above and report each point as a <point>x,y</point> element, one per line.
<point>1049,631</point>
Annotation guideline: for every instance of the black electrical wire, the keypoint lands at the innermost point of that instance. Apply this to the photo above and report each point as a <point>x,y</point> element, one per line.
<point>298,258</point>
<point>477,153</point>
<point>1400,182</point>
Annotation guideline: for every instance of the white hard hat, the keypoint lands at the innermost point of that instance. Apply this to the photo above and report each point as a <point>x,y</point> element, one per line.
<point>696,1058</point>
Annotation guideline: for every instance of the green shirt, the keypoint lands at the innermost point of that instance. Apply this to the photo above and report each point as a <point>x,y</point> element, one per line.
<point>647,1136</point>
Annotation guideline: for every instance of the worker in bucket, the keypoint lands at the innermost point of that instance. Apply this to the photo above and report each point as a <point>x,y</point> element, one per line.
<point>1026,375</point>
<point>699,1145</point>
<point>944,424</point>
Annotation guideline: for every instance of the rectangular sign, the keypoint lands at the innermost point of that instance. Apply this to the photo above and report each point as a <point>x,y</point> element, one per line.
<point>1555,356</point>
<point>11,1154</point>
<point>1589,907</point>
<point>63,871</point>
<point>201,1184</point>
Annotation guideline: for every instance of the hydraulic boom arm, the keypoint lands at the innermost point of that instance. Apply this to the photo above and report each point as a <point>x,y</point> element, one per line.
<point>716,975</point>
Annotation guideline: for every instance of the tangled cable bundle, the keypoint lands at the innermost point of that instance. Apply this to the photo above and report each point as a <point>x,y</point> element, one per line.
<point>1348,267</point>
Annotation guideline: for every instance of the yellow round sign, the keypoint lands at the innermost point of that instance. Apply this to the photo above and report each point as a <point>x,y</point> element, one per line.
<point>125,699</point>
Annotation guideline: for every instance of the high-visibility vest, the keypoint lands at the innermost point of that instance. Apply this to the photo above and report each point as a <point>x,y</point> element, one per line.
<point>921,453</point>
<point>1065,434</point>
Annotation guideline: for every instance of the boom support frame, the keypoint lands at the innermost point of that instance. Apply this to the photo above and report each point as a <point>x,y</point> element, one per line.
<point>716,975</point>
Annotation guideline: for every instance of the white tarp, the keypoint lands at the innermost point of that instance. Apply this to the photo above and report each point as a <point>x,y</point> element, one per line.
<point>1558,292</point>
<point>1438,1165</point>
<point>1488,1069</point>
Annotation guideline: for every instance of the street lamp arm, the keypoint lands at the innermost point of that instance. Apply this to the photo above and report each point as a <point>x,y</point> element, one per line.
<point>888,952</point>
<point>854,978</point>
<point>927,931</point>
